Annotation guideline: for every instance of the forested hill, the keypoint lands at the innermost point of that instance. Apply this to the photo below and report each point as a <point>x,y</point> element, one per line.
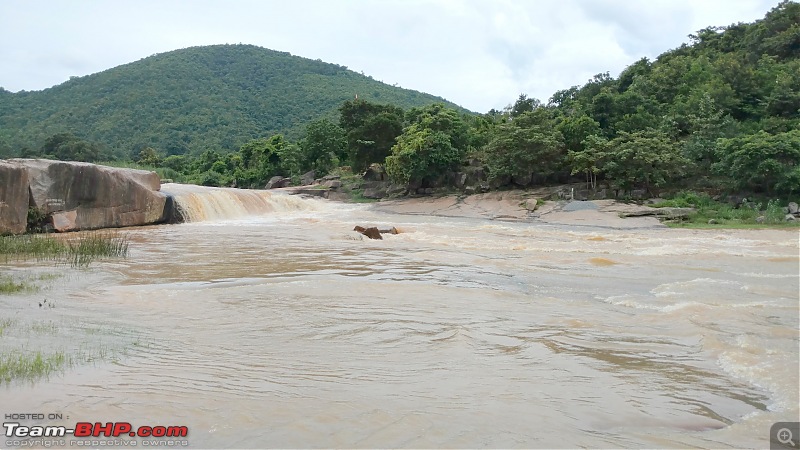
<point>191,100</point>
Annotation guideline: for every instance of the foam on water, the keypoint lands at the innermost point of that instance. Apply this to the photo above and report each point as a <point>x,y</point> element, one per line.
<point>201,203</point>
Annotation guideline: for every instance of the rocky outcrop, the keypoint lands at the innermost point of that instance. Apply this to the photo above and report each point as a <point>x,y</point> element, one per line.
<point>311,192</point>
<point>14,198</point>
<point>278,182</point>
<point>308,178</point>
<point>82,196</point>
<point>665,213</point>
<point>375,172</point>
<point>333,184</point>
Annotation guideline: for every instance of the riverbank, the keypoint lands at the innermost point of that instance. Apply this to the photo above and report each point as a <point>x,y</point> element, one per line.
<point>519,205</point>
<point>524,206</point>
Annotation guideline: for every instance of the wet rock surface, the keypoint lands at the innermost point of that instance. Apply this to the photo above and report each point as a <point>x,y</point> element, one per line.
<point>81,196</point>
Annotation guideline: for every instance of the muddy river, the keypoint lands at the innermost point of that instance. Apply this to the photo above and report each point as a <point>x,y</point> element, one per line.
<point>268,323</point>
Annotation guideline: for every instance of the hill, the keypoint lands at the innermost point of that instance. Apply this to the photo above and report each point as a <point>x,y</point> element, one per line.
<point>191,100</point>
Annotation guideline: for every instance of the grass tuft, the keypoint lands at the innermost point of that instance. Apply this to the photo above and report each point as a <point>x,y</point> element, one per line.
<point>79,252</point>
<point>714,214</point>
<point>31,365</point>
<point>10,286</point>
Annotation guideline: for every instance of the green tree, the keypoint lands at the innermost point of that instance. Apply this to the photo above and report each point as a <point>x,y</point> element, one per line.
<point>435,142</point>
<point>68,147</point>
<point>372,130</point>
<point>576,129</point>
<point>324,146</point>
<point>646,159</point>
<point>523,105</point>
<point>178,163</point>
<point>528,145</point>
<point>589,158</point>
<point>149,157</point>
<point>761,161</point>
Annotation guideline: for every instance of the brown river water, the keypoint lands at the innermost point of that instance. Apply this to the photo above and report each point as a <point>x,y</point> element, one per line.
<point>268,323</point>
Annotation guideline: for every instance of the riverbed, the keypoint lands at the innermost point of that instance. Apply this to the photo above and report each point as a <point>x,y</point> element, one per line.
<point>284,328</point>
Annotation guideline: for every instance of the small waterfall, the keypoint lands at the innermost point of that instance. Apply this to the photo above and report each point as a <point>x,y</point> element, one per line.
<point>200,203</point>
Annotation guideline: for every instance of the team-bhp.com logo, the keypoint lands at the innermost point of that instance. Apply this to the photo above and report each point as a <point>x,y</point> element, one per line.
<point>97,429</point>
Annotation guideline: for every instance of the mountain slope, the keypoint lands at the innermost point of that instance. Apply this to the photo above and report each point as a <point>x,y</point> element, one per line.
<point>191,100</point>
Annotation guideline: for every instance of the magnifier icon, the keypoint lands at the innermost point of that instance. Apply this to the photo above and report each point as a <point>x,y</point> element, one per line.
<point>785,436</point>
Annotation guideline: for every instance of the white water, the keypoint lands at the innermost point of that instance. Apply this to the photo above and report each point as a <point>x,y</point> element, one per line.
<point>280,327</point>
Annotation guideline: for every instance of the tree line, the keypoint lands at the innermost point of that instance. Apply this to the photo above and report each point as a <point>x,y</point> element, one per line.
<point>719,114</point>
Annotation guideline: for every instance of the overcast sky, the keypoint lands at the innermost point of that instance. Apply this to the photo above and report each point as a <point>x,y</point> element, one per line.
<point>480,54</point>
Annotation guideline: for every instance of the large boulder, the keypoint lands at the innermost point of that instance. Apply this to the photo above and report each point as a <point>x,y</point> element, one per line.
<point>278,182</point>
<point>307,178</point>
<point>14,198</point>
<point>65,221</point>
<point>376,193</point>
<point>375,172</point>
<point>333,184</point>
<point>82,196</point>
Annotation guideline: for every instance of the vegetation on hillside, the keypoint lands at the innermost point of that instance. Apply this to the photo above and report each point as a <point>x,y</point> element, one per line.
<point>188,101</point>
<point>719,115</point>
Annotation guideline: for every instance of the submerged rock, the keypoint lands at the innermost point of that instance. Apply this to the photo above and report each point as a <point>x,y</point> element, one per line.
<point>375,232</point>
<point>371,232</point>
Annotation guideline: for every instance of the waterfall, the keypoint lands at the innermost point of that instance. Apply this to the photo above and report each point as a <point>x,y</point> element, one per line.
<point>200,203</point>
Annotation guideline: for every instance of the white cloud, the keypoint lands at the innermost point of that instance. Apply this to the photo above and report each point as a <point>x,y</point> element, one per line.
<point>479,53</point>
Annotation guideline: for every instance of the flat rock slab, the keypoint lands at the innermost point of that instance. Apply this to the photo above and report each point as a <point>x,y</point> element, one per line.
<point>511,205</point>
<point>491,205</point>
<point>598,218</point>
<point>579,205</point>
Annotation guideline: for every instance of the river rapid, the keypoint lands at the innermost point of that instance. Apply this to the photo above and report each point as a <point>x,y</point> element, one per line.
<point>267,322</point>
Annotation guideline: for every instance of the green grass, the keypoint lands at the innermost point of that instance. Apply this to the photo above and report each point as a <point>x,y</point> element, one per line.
<point>10,286</point>
<point>733,225</point>
<point>723,215</point>
<point>78,252</point>
<point>357,196</point>
<point>6,323</point>
<point>31,365</point>
<point>21,363</point>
